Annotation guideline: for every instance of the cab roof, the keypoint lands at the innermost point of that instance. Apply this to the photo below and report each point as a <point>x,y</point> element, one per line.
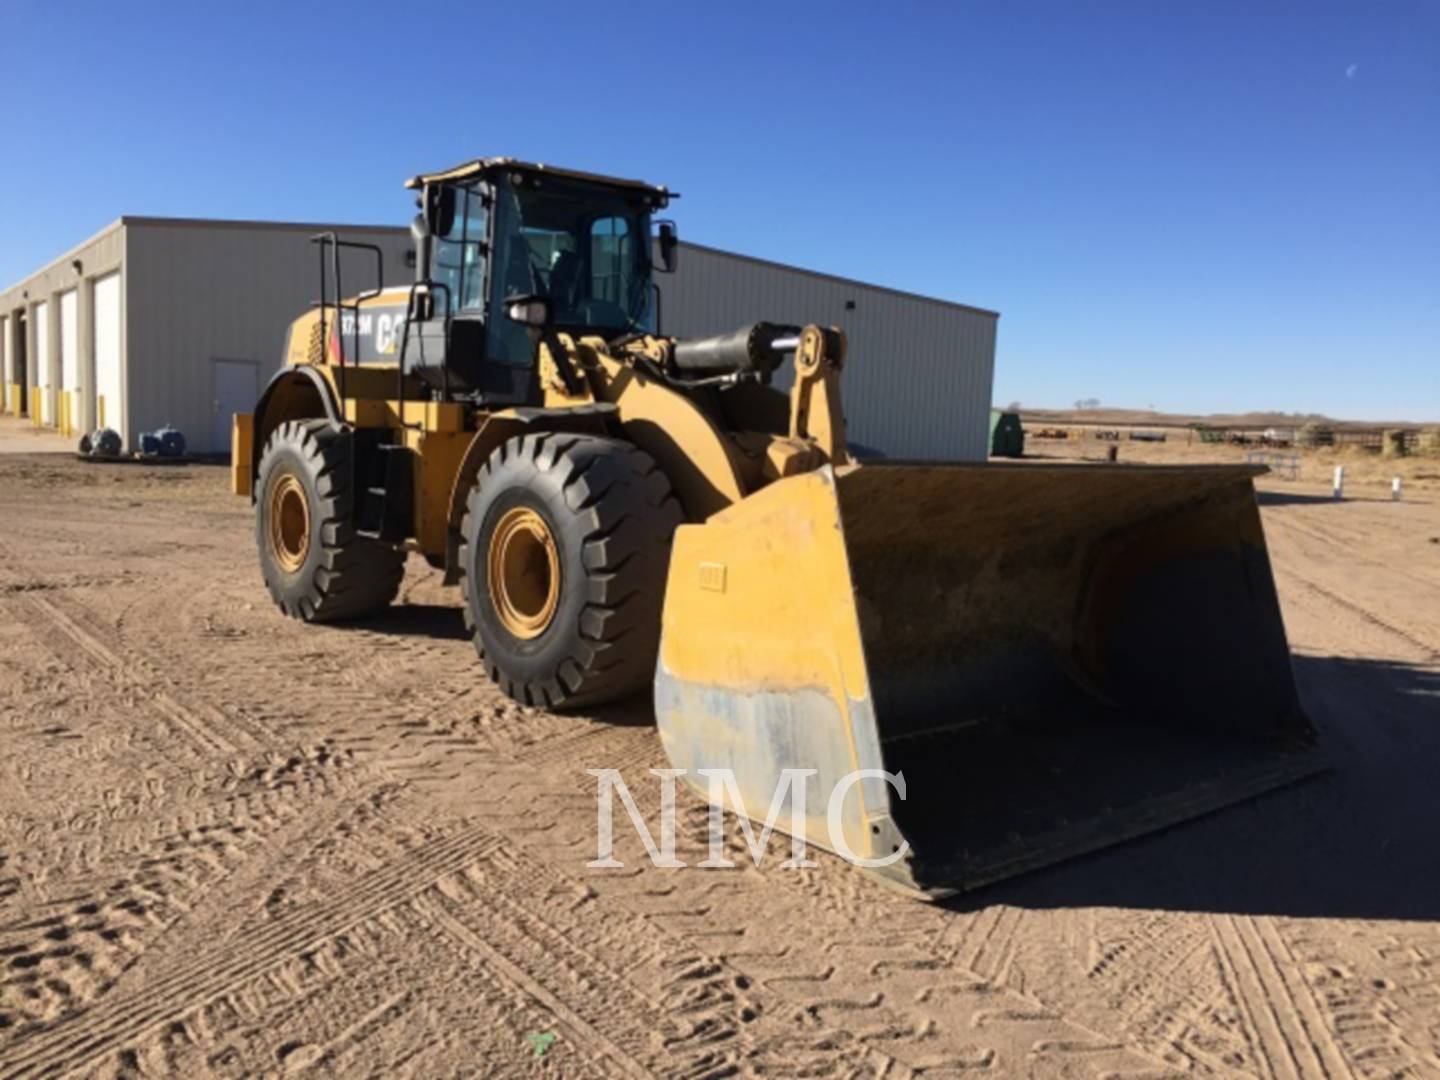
<point>480,166</point>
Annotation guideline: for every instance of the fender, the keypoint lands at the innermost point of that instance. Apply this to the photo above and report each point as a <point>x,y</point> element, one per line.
<point>297,392</point>
<point>594,419</point>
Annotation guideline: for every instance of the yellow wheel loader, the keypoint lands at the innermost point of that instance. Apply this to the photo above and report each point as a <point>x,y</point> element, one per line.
<point>1046,659</point>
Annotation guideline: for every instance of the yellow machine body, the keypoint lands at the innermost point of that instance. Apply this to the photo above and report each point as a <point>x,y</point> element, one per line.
<point>1043,658</point>
<point>713,455</point>
<point>1053,657</point>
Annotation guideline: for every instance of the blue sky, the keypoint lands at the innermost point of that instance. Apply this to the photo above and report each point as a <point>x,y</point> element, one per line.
<point>1202,207</point>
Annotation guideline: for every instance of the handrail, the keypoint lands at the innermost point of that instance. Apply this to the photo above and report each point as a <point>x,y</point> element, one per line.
<point>415,288</point>
<point>330,242</point>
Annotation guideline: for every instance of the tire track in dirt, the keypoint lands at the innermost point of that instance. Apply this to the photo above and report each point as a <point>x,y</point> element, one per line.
<point>1289,575</point>
<point>495,958</point>
<point>549,957</point>
<point>212,919</point>
<point>198,977</point>
<point>640,746</point>
<point>1348,545</point>
<point>908,1000</point>
<point>90,631</point>
<point>1359,1012</point>
<point>697,1014</point>
<point>185,987</point>
<point>190,983</point>
<point>109,659</point>
<point>1359,613</point>
<point>363,1002</point>
<point>1151,977</point>
<point>917,1010</point>
<point>1384,999</point>
<point>117,926</point>
<point>68,641</point>
<point>361,685</point>
<point>223,727</point>
<point>1293,1036</point>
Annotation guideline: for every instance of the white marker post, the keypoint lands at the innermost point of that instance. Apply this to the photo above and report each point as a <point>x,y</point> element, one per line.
<point>1339,481</point>
<point>1395,491</point>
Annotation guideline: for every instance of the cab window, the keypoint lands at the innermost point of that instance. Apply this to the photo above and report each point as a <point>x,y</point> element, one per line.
<point>610,259</point>
<point>458,260</point>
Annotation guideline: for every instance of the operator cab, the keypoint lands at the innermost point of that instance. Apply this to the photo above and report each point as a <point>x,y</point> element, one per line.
<point>508,251</point>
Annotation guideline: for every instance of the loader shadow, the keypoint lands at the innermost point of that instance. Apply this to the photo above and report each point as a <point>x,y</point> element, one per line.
<point>444,622</point>
<point>635,711</point>
<point>1298,498</point>
<point>440,621</point>
<point>1362,841</point>
<point>1292,498</point>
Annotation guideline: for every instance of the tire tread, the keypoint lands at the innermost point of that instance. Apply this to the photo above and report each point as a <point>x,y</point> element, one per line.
<point>355,576</point>
<point>625,515</point>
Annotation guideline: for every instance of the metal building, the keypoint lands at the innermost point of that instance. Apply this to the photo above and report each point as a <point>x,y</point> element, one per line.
<point>158,321</point>
<point>918,374</point>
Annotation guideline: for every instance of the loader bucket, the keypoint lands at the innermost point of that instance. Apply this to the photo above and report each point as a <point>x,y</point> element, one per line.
<point>1055,657</point>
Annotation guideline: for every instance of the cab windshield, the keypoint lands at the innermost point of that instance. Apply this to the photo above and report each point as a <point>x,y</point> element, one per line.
<point>586,248</point>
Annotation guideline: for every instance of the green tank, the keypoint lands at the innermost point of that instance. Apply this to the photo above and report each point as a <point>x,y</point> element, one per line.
<point>1007,437</point>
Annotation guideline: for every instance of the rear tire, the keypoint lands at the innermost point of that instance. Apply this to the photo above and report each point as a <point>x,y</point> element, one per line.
<point>315,566</point>
<point>565,549</point>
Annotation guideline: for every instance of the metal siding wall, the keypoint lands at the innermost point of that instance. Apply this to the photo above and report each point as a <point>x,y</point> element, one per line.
<point>919,375</point>
<point>101,254</point>
<point>98,255</point>
<point>197,293</point>
<point>918,383</point>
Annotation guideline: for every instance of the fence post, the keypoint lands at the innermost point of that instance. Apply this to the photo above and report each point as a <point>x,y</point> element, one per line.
<point>1395,489</point>
<point>1339,481</point>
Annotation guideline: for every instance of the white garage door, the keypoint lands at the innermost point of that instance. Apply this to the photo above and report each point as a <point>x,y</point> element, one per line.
<point>69,399</point>
<point>6,348</point>
<point>109,390</point>
<point>41,323</point>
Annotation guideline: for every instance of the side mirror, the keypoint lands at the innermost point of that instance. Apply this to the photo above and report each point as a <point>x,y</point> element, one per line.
<point>423,307</point>
<point>533,311</point>
<point>667,244</point>
<point>420,235</point>
<point>439,209</point>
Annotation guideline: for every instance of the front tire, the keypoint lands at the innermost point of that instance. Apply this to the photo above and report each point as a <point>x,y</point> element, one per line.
<point>566,545</point>
<point>315,566</point>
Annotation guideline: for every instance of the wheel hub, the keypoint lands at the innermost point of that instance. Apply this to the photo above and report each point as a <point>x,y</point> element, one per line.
<point>523,572</point>
<point>289,517</point>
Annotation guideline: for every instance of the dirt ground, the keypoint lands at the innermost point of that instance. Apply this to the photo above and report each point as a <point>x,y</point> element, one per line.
<point>231,844</point>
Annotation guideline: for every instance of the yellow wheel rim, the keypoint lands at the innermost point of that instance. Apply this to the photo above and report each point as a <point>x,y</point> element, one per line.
<point>523,572</point>
<point>289,517</point>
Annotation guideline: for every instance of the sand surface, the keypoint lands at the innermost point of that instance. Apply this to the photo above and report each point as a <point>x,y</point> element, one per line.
<point>232,844</point>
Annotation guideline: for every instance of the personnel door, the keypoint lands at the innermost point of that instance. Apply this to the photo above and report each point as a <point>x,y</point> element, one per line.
<point>236,386</point>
